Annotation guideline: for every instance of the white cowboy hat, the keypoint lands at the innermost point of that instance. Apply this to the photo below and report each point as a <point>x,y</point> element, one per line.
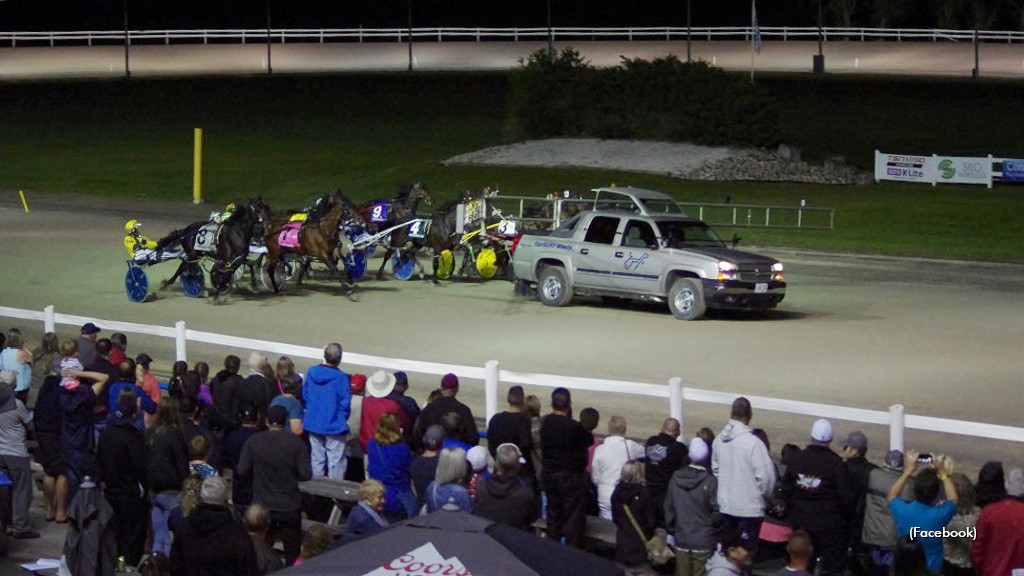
<point>380,384</point>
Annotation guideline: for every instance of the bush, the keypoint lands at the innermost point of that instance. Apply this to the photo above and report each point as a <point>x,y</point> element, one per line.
<point>561,94</point>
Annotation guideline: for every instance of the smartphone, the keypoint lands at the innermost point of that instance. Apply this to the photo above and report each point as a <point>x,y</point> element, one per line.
<point>924,459</point>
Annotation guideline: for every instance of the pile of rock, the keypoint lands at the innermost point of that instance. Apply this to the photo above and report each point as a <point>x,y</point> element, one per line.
<point>783,165</point>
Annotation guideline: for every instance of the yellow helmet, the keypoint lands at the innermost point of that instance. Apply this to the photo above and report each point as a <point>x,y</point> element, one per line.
<point>131,225</point>
<point>230,207</point>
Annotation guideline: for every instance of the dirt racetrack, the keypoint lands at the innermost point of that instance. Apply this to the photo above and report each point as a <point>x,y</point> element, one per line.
<point>942,338</point>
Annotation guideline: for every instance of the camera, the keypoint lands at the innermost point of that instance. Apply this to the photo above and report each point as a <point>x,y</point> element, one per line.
<point>925,459</point>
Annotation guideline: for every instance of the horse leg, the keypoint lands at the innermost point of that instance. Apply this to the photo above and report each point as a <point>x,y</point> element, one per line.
<point>346,280</point>
<point>387,256</point>
<point>174,277</point>
<point>433,277</point>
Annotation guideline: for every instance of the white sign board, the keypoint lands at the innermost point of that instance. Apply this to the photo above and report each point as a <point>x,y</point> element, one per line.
<point>905,168</point>
<point>953,170</point>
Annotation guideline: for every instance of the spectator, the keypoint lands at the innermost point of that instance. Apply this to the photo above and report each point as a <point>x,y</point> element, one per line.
<point>531,409</point>
<point>476,457</point>
<point>16,357</point>
<point>820,498</point>
<point>746,474</point>
<point>234,441</point>
<point>452,425</point>
<point>191,423</point>
<point>564,478</point>
<point>590,418</point>
<point>68,361</point>
<point>879,534</point>
<point>43,359</point>
<point>188,501</point>
<point>412,410</point>
<point>366,517</point>
<point>924,513</point>
<point>503,498</point>
<point>708,436</point>
<point>257,524</point>
<point>631,498</point>
<point>78,440</point>
<point>314,542</point>
<point>1015,483</point>
<point>176,384</point>
<point>909,558</point>
<point>799,555</point>
<point>609,458</point>
<point>511,426</point>
<point>225,389</point>
<point>86,343</point>
<point>388,460</point>
<point>734,555</point>
<point>424,468</point>
<point>447,402</point>
<point>14,460</point>
<point>205,395</point>
<point>291,387</point>
<point>49,420</point>
<point>126,381</point>
<point>145,378</point>
<point>166,469</point>
<point>376,404</point>
<point>956,550</point>
<point>210,541</point>
<point>998,548</point>
<point>663,455</point>
<point>118,348</point>
<point>691,511</point>
<point>328,401</point>
<point>447,486</point>
<point>198,450</point>
<point>122,458</point>
<point>286,367</point>
<point>255,389</point>
<point>277,461</point>
<point>854,453</point>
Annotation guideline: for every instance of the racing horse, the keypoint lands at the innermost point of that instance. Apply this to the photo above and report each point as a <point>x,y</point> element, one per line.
<point>225,243</point>
<point>318,237</point>
<point>442,236</point>
<point>386,214</point>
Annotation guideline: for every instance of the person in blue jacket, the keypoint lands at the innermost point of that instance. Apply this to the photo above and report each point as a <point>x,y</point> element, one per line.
<point>328,400</point>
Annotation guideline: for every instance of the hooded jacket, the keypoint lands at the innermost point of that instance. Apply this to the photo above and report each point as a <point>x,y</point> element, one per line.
<point>328,400</point>
<point>720,565</point>
<point>745,471</point>
<point>122,457</point>
<point>503,499</point>
<point>819,491</point>
<point>13,419</point>
<point>210,543</point>
<point>691,508</point>
<point>879,527</point>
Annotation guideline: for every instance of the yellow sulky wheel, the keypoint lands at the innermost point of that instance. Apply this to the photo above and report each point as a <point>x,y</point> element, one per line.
<point>487,263</point>
<point>445,265</point>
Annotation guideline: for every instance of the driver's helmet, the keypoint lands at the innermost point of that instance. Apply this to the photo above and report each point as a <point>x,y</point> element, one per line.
<point>131,226</point>
<point>229,208</point>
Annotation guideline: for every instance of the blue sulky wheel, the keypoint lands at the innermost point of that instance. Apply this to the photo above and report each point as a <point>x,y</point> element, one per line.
<point>402,266</point>
<point>193,282</point>
<point>355,264</point>
<point>136,284</point>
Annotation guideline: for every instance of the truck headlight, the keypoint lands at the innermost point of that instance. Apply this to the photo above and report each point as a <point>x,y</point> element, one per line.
<point>727,271</point>
<point>777,275</point>
<point>777,267</point>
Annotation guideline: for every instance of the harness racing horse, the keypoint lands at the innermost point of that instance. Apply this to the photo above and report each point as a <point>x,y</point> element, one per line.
<point>225,243</point>
<point>442,236</point>
<point>386,214</point>
<point>318,237</point>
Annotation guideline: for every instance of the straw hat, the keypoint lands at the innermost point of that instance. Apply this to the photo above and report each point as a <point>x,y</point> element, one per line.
<point>380,384</point>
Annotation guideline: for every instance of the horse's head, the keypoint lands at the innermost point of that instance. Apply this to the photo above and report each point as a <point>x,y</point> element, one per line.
<point>419,192</point>
<point>261,213</point>
<point>348,212</point>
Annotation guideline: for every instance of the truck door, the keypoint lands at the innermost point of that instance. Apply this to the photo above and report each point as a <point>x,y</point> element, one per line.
<point>596,255</point>
<point>641,263</point>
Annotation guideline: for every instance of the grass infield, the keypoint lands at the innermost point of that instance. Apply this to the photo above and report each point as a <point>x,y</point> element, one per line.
<point>292,138</point>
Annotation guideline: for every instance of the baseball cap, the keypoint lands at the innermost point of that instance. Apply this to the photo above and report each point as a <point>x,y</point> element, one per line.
<point>449,381</point>
<point>855,440</point>
<point>477,458</point>
<point>737,538</point>
<point>821,431</point>
<point>277,415</point>
<point>357,384</point>
<point>894,459</point>
<point>144,359</point>
<point>433,438</point>
<point>90,328</point>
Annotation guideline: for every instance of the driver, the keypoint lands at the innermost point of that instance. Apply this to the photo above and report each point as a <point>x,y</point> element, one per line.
<point>134,240</point>
<point>221,217</point>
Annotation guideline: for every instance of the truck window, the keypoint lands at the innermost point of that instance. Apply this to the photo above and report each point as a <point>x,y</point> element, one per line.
<point>602,230</point>
<point>639,234</point>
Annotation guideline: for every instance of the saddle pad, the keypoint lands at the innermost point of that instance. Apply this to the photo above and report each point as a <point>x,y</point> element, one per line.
<point>379,211</point>
<point>418,229</point>
<point>206,238</point>
<point>289,235</point>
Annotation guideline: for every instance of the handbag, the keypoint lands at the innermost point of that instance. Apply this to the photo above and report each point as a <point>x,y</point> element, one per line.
<point>658,551</point>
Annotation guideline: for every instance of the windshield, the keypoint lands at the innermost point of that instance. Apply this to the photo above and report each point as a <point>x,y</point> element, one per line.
<point>661,206</point>
<point>679,233</point>
<point>567,227</point>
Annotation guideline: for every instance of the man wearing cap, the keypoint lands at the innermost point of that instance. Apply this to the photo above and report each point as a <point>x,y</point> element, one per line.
<point>512,426</point>
<point>377,403</point>
<point>424,467</point>
<point>821,498</point>
<point>503,498</point>
<point>879,531</point>
<point>328,399</point>
<point>276,460</point>
<point>122,457</point>
<point>87,343</point>
<point>126,381</point>
<point>412,409</point>
<point>210,540</point>
<point>435,411</point>
<point>855,448</point>
<point>14,460</point>
<point>691,511</point>
<point>735,555</point>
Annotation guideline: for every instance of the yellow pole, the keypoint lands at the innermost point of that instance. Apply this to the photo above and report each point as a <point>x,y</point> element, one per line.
<point>197,168</point>
<point>23,201</point>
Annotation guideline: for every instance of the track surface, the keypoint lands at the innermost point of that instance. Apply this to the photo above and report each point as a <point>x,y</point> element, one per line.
<point>928,58</point>
<point>941,338</point>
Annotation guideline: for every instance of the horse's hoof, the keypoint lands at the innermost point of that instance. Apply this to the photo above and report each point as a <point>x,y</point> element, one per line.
<point>380,276</point>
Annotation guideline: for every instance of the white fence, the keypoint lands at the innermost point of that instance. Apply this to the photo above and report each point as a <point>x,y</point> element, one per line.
<point>283,35</point>
<point>491,374</point>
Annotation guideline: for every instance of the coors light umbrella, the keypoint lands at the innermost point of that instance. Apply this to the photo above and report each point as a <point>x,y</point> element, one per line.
<point>454,543</point>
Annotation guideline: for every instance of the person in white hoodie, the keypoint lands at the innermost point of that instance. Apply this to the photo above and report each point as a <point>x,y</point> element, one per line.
<point>609,458</point>
<point>746,474</point>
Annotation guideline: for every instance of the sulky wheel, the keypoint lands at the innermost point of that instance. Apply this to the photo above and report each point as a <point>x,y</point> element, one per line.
<point>402,265</point>
<point>445,265</point>
<point>193,281</point>
<point>136,284</point>
<point>355,264</point>
<point>487,263</point>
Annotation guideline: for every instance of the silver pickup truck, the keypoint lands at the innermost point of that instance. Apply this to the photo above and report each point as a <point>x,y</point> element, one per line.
<point>662,257</point>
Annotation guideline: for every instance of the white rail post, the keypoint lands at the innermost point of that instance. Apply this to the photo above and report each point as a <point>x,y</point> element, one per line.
<point>675,401</point>
<point>490,388</point>
<point>896,424</point>
<point>179,340</point>
<point>49,322</point>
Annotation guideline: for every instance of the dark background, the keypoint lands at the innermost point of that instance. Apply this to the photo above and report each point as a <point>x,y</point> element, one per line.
<point>47,15</point>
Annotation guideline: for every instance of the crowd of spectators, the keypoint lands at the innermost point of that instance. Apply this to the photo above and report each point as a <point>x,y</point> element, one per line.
<point>205,471</point>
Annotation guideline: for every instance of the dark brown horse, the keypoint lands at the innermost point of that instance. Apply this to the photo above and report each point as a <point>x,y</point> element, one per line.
<point>442,235</point>
<point>319,237</point>
<point>386,214</point>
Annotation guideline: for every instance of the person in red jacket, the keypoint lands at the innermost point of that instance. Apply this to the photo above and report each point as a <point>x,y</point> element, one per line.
<point>998,549</point>
<point>376,404</point>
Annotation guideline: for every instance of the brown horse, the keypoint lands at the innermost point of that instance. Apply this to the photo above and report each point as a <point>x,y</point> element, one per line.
<point>400,210</point>
<point>319,237</point>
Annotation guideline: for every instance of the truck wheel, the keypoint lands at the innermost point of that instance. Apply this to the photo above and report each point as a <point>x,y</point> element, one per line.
<point>686,299</point>
<point>553,287</point>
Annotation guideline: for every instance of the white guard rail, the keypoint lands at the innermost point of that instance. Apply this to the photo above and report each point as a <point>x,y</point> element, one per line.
<point>283,35</point>
<point>490,373</point>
